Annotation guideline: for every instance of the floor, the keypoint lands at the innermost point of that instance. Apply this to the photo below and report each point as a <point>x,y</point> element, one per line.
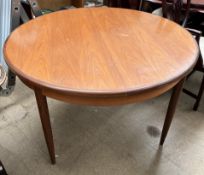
<point>120,140</point>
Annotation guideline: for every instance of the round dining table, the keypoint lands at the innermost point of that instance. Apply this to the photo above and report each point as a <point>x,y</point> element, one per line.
<point>101,57</point>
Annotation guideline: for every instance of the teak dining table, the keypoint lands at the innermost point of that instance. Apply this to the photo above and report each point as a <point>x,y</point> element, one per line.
<point>101,56</point>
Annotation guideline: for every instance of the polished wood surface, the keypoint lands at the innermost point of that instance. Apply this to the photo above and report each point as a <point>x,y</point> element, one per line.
<point>108,54</point>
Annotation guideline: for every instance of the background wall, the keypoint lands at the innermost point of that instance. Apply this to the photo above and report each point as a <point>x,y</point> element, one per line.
<point>5,15</point>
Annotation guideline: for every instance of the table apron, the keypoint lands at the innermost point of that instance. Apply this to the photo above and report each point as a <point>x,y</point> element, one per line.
<point>109,100</point>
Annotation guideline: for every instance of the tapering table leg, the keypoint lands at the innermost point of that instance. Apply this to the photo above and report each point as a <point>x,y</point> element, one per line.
<point>45,120</point>
<point>171,110</point>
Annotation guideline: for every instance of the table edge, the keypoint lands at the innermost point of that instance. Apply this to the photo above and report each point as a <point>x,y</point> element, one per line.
<point>40,84</point>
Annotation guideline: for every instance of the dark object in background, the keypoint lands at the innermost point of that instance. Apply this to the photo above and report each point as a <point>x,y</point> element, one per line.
<point>93,3</point>
<point>196,21</point>
<point>175,13</point>
<point>2,169</point>
<point>123,3</point>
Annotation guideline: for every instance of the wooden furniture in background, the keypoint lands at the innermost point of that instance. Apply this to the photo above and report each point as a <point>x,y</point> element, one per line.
<point>98,58</point>
<point>29,10</point>
<point>134,4</point>
<point>56,4</point>
<point>199,4</point>
<point>178,13</point>
<point>199,67</point>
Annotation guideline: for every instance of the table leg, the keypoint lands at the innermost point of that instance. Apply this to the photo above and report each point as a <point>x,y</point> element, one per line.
<point>171,110</point>
<point>45,120</point>
<point>2,169</point>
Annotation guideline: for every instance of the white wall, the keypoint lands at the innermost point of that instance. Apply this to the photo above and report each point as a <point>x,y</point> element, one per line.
<point>5,16</point>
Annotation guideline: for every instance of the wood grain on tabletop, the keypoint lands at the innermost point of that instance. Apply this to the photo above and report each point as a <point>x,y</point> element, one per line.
<point>100,51</point>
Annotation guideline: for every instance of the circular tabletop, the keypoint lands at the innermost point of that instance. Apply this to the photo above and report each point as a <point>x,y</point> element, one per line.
<point>100,51</point>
